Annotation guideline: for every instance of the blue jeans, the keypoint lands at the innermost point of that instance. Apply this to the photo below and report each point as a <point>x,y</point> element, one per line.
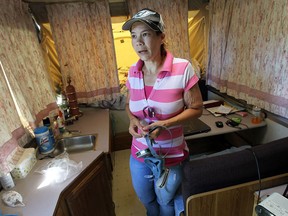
<point>157,201</point>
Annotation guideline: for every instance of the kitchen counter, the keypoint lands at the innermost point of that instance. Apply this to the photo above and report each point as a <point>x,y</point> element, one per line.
<point>41,199</point>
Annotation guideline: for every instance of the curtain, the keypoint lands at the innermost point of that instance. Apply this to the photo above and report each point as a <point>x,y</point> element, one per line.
<point>23,66</point>
<point>51,57</point>
<point>198,29</point>
<point>84,42</point>
<point>197,39</point>
<point>248,51</point>
<point>10,125</point>
<point>175,17</point>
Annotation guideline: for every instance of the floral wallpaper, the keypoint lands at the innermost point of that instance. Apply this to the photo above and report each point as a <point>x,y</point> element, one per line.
<point>84,42</point>
<point>22,61</point>
<point>248,51</point>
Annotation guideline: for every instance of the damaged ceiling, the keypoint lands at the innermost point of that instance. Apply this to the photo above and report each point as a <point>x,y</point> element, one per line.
<point>117,7</point>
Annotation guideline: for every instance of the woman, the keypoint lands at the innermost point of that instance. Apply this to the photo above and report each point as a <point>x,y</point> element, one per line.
<point>163,94</point>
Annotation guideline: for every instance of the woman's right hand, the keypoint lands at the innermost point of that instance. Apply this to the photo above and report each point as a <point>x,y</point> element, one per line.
<point>133,128</point>
<point>135,124</point>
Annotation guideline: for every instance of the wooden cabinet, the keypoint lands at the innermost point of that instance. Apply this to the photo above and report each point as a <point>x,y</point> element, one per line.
<point>236,200</point>
<point>90,193</point>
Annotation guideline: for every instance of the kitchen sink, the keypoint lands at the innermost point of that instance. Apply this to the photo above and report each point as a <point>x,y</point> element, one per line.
<point>73,144</point>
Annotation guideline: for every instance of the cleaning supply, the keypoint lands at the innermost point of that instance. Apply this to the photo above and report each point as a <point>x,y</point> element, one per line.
<point>47,123</point>
<point>43,140</point>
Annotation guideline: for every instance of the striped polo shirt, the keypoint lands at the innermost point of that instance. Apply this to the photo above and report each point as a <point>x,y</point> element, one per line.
<point>166,98</point>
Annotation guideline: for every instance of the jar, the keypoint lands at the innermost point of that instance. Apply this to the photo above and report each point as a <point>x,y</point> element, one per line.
<point>257,117</point>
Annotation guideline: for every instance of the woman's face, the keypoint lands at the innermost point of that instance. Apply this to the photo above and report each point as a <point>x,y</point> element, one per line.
<point>146,42</point>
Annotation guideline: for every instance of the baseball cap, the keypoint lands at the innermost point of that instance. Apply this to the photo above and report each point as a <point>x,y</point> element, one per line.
<point>147,16</point>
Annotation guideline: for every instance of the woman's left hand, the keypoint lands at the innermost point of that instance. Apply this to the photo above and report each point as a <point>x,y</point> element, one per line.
<point>155,133</point>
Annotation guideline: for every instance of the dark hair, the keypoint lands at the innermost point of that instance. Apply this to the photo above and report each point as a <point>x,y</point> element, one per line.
<point>163,50</point>
<point>163,45</point>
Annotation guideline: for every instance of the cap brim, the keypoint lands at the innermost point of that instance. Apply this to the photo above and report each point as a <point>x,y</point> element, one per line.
<point>128,24</point>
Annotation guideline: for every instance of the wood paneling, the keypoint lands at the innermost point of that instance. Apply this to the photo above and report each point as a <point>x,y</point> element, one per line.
<point>121,141</point>
<point>236,200</point>
<point>90,193</point>
<point>119,5</point>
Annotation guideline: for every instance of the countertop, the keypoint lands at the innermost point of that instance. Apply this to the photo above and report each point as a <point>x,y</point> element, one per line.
<point>210,120</point>
<point>40,199</point>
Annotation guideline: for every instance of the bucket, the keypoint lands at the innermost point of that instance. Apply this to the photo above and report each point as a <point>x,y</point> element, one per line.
<point>43,140</point>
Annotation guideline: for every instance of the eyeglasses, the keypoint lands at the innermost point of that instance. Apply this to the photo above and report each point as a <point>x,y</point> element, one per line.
<point>150,112</point>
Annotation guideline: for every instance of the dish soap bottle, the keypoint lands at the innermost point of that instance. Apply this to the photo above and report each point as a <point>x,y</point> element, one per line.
<point>60,121</point>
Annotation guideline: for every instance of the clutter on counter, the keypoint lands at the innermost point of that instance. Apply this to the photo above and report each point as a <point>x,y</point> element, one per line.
<point>12,199</point>
<point>34,189</point>
<point>24,164</point>
<point>20,165</point>
<point>7,181</point>
<point>43,139</point>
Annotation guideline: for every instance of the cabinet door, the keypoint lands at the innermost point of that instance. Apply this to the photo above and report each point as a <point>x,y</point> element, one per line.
<point>90,194</point>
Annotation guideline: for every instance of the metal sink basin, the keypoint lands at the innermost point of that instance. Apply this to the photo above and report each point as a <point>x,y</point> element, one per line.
<point>72,144</point>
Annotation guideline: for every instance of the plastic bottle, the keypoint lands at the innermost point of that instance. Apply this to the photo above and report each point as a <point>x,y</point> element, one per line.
<point>7,181</point>
<point>60,121</point>
<point>55,127</point>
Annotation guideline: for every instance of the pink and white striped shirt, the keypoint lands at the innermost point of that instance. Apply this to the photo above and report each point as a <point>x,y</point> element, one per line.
<point>166,98</point>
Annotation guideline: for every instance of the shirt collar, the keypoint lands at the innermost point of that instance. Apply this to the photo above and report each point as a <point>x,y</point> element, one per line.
<point>167,65</point>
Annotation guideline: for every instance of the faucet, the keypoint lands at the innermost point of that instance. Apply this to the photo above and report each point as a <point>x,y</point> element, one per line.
<point>72,131</point>
<point>69,133</point>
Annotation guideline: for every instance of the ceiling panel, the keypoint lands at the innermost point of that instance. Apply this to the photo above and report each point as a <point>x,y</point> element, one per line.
<point>117,7</point>
<point>192,4</point>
